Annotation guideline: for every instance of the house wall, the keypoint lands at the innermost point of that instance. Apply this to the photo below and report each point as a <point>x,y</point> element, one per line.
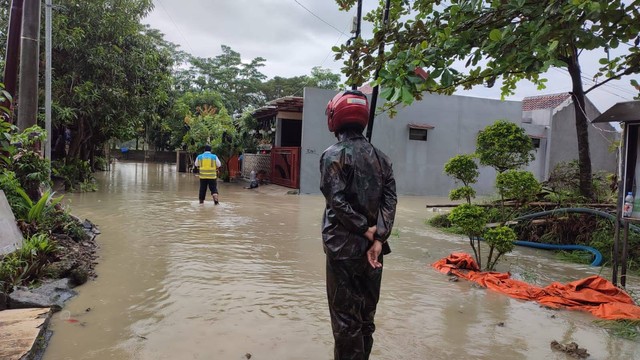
<point>564,143</point>
<point>418,165</point>
<point>538,117</point>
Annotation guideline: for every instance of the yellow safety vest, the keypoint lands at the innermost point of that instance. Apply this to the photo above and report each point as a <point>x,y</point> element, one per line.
<point>208,167</point>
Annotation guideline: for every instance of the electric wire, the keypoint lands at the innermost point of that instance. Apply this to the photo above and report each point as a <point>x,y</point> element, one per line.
<point>176,26</point>
<point>319,18</point>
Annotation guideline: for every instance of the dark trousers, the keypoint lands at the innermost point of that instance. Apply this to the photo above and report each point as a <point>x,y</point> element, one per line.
<point>204,183</point>
<point>353,290</point>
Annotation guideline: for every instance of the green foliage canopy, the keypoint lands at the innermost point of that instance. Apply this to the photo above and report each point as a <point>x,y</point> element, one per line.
<point>510,41</point>
<point>504,145</point>
<point>518,184</point>
<point>470,218</point>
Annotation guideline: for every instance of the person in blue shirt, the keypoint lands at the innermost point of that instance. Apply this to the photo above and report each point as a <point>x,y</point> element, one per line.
<point>208,165</point>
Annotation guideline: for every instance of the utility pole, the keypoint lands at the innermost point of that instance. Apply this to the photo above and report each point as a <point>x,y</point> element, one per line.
<point>358,31</point>
<point>13,49</point>
<point>374,95</point>
<point>29,59</point>
<point>47,81</point>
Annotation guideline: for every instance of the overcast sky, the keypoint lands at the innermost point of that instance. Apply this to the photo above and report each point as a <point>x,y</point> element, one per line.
<point>296,35</point>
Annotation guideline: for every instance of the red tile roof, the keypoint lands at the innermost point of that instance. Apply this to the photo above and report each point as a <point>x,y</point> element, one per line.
<point>544,101</point>
<point>366,89</point>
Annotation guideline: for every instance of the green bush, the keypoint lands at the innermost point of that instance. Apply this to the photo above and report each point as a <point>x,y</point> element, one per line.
<point>563,186</point>
<point>463,168</point>
<point>517,184</point>
<point>500,240</point>
<point>76,174</point>
<point>31,169</point>
<point>14,193</point>
<point>100,163</point>
<point>60,221</point>
<point>465,192</point>
<point>440,221</point>
<point>27,263</point>
<point>503,146</point>
<point>470,218</point>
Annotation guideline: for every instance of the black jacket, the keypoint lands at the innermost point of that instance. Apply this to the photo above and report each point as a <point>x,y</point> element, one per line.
<point>360,191</point>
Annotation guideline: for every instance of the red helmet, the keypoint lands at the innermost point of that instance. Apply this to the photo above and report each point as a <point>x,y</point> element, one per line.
<point>347,108</point>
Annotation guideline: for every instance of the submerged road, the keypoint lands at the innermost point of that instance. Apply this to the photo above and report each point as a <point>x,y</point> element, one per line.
<point>179,280</point>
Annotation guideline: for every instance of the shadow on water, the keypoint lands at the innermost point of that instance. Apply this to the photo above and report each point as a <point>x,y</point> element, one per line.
<point>179,280</point>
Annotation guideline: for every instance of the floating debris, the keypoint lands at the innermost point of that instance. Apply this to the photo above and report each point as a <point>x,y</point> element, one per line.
<point>571,349</point>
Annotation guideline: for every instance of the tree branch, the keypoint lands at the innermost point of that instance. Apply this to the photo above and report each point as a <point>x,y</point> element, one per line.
<point>615,77</point>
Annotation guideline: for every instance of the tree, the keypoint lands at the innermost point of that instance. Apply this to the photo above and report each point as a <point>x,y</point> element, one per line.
<point>208,125</point>
<point>463,168</point>
<point>111,75</point>
<point>510,40</point>
<point>238,82</point>
<point>503,146</point>
<point>472,219</point>
<point>183,107</point>
<point>279,87</point>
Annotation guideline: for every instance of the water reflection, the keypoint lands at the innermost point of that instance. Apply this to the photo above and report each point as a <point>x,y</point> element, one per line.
<point>178,280</point>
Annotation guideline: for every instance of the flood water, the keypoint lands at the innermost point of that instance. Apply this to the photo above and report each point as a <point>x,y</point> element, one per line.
<point>179,280</point>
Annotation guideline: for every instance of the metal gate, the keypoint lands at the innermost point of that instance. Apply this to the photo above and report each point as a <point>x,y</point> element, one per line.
<point>285,166</point>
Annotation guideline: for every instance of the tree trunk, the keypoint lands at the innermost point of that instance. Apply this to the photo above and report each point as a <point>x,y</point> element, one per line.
<point>582,127</point>
<point>76,141</point>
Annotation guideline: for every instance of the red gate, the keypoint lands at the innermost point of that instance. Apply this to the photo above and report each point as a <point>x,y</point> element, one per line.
<point>285,166</point>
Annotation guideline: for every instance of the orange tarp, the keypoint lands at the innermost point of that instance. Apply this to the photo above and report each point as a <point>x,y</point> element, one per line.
<point>593,294</point>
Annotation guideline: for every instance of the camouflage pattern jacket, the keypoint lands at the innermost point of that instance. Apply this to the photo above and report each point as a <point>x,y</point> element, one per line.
<point>360,191</point>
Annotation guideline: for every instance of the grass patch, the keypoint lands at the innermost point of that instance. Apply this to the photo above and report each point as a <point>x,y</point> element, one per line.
<point>577,256</point>
<point>626,329</point>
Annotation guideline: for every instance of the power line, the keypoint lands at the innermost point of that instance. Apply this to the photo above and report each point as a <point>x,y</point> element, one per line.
<point>586,78</point>
<point>319,18</point>
<point>177,27</point>
<point>323,61</point>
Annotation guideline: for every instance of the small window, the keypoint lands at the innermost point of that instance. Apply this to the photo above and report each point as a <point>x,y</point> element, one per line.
<point>535,142</point>
<point>418,134</point>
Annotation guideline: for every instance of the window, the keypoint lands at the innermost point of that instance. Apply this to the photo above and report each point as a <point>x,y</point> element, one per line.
<point>535,142</point>
<point>418,134</point>
<point>419,131</point>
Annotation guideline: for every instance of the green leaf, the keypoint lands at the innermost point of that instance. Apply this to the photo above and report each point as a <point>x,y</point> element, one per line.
<point>407,96</point>
<point>386,93</point>
<point>603,61</point>
<point>553,45</point>
<point>495,35</point>
<point>446,79</point>
<point>396,95</point>
<point>614,43</point>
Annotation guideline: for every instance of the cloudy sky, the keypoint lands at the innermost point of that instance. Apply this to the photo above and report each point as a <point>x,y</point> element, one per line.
<point>296,35</point>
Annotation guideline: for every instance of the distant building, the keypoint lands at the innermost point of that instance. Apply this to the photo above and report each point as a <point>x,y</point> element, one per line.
<point>422,137</point>
<point>556,114</point>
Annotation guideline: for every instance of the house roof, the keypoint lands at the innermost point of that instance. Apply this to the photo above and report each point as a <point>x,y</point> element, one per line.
<point>622,112</point>
<point>544,101</point>
<point>366,89</point>
<point>287,103</point>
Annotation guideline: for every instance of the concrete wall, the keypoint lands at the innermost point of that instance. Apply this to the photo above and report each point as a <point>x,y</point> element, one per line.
<point>10,235</point>
<point>139,155</point>
<point>418,165</point>
<point>564,143</point>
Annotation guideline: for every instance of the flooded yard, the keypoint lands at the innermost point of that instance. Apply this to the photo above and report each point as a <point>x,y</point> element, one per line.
<point>179,280</point>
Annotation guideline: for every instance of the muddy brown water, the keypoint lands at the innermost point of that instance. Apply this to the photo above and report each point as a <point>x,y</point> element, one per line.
<point>178,280</point>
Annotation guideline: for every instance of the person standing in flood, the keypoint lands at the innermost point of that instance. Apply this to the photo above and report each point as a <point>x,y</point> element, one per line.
<point>208,165</point>
<point>360,193</point>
